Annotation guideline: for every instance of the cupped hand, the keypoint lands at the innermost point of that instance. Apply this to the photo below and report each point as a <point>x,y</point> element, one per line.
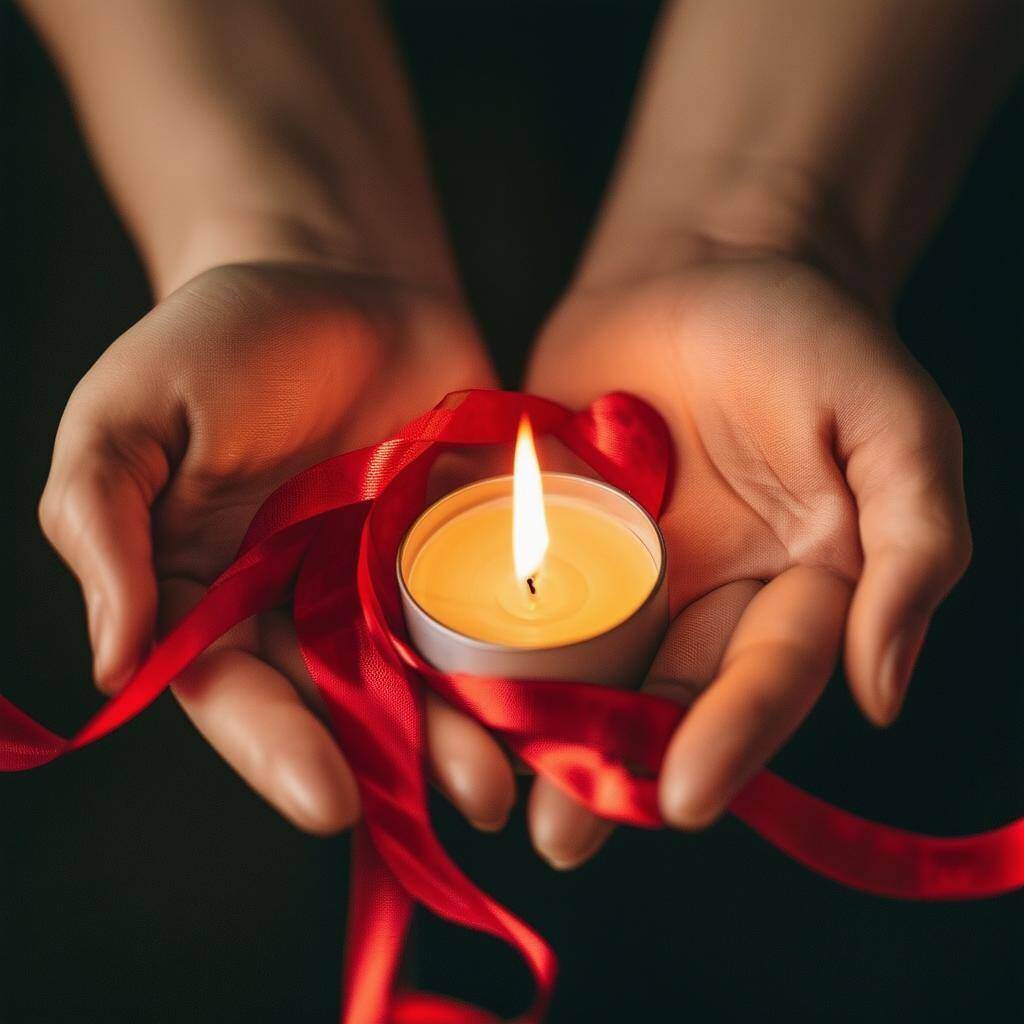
<point>817,503</point>
<point>170,443</point>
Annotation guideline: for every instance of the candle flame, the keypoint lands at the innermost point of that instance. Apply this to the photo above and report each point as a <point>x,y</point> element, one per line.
<point>529,524</point>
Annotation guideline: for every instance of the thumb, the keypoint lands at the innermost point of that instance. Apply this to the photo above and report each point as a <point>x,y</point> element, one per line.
<point>95,512</point>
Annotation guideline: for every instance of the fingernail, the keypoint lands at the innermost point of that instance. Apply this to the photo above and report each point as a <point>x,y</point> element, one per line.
<point>313,794</point>
<point>561,865</point>
<point>480,799</point>
<point>564,862</point>
<point>585,846</point>
<point>491,825</point>
<point>898,664</point>
<point>685,807</point>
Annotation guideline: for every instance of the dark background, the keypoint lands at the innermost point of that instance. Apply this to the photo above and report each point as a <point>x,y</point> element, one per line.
<point>141,881</point>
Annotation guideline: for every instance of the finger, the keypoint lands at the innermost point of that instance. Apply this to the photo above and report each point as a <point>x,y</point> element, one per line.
<point>916,539</point>
<point>563,831</point>
<point>279,647</point>
<point>696,641</point>
<point>774,668</point>
<point>469,766</point>
<point>95,512</point>
<point>257,721</point>
<point>467,763</point>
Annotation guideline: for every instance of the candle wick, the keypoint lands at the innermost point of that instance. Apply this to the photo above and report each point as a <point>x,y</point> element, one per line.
<point>530,584</point>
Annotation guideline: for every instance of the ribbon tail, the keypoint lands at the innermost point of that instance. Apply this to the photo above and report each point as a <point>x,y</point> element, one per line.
<point>379,914</point>
<point>877,858</point>
<point>377,717</point>
<point>24,743</point>
<point>240,593</point>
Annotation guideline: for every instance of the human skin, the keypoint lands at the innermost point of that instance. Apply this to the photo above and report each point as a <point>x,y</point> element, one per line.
<point>783,165</point>
<point>269,168</point>
<point>767,203</point>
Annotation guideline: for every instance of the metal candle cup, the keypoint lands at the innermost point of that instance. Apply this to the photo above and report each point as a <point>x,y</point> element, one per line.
<point>618,656</point>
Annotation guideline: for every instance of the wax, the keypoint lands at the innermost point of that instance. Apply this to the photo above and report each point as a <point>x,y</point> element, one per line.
<point>595,574</point>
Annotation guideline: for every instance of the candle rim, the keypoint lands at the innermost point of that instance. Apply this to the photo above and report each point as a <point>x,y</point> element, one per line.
<point>512,649</point>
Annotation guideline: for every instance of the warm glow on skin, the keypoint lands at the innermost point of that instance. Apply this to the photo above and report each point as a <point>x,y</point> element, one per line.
<point>529,523</point>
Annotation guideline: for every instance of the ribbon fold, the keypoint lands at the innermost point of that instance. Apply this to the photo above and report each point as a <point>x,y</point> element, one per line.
<point>327,539</point>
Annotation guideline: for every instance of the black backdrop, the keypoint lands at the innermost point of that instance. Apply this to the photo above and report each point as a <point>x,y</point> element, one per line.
<point>141,881</point>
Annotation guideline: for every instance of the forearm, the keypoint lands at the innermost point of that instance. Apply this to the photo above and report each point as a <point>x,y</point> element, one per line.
<point>835,131</point>
<point>239,131</point>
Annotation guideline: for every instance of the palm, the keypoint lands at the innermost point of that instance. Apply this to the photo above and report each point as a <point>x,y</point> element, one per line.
<point>283,368</point>
<point>751,366</point>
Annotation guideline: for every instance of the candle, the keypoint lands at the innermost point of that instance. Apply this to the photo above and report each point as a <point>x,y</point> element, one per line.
<point>535,576</point>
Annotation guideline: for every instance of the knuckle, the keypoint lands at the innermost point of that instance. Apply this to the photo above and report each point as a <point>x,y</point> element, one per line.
<point>942,556</point>
<point>59,509</point>
<point>942,548</point>
<point>71,500</point>
<point>48,512</point>
<point>936,422</point>
<point>951,548</point>
<point>945,424</point>
<point>960,552</point>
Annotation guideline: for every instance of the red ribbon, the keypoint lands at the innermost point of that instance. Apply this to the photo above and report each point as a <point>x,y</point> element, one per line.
<point>328,538</point>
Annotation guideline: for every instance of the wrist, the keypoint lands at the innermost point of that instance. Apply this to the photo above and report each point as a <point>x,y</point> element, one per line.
<point>263,138</point>
<point>728,208</point>
<point>236,235</point>
<point>276,211</point>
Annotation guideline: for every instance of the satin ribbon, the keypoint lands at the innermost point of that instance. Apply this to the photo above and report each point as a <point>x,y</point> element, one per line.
<point>327,540</point>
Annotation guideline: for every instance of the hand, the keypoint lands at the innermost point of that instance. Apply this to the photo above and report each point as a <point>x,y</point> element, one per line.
<point>169,444</point>
<point>818,493</point>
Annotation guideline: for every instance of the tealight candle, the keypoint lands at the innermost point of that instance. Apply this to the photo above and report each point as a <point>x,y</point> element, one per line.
<point>536,575</point>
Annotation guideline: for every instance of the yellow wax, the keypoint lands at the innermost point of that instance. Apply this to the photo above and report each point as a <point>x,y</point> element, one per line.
<point>595,574</point>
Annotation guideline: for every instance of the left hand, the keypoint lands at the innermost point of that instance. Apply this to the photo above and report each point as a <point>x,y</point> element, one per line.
<point>818,500</point>
<point>240,378</point>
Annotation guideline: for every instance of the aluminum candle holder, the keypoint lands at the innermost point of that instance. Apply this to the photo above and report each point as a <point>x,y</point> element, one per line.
<point>618,656</point>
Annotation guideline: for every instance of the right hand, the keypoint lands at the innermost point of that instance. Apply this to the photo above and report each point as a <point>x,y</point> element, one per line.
<point>233,383</point>
<point>818,503</point>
